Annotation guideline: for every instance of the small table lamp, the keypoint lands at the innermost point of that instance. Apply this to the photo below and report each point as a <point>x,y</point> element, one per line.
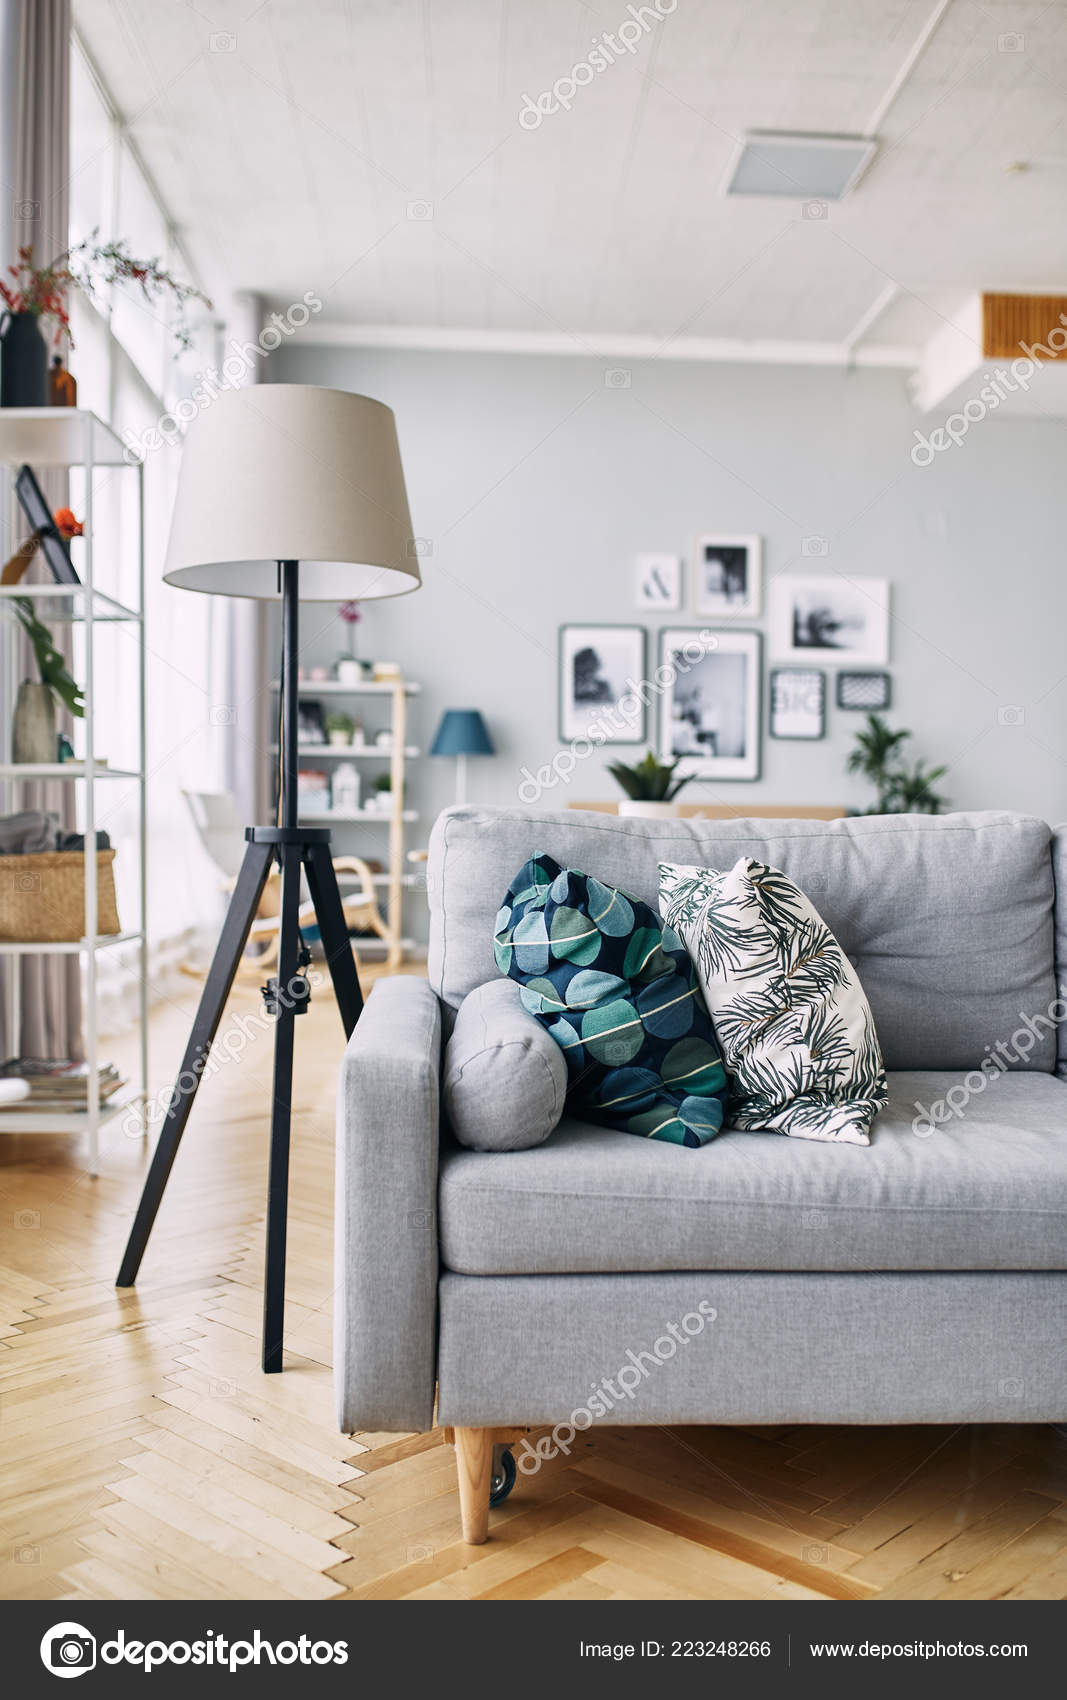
<point>462,733</point>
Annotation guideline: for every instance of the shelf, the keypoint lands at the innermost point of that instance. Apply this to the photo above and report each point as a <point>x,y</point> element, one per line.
<point>19,1119</point>
<point>62,770</point>
<point>72,601</point>
<point>341,751</point>
<point>65,947</point>
<point>333,687</point>
<point>58,436</point>
<point>382,816</point>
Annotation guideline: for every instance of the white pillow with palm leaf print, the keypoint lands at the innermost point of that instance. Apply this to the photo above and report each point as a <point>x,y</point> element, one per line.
<point>796,1030</point>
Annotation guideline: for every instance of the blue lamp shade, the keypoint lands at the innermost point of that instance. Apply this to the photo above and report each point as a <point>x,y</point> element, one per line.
<point>462,732</point>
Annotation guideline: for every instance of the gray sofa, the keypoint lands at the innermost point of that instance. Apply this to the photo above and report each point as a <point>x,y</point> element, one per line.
<point>918,1280</point>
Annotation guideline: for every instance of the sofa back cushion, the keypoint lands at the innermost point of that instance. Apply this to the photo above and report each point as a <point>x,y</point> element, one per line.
<point>948,920</point>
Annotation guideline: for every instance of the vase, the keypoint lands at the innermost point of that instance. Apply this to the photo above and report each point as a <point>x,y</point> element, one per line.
<point>23,362</point>
<point>349,671</point>
<point>33,736</point>
<point>654,811</point>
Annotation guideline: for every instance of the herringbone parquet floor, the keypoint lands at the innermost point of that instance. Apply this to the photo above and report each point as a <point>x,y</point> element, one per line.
<point>143,1455</point>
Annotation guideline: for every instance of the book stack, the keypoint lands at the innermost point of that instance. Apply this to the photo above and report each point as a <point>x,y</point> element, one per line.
<point>56,1083</point>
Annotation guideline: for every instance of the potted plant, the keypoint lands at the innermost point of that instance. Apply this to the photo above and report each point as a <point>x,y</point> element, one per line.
<point>650,786</point>
<point>901,790</point>
<point>30,293</point>
<point>339,729</point>
<point>34,730</point>
<point>383,792</point>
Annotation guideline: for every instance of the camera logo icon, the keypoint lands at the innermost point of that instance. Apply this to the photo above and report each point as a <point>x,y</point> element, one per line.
<point>815,210</point>
<point>617,378</point>
<point>1011,714</point>
<point>68,1649</point>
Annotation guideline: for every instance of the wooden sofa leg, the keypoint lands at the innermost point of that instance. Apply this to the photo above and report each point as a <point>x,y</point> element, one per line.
<point>474,1466</point>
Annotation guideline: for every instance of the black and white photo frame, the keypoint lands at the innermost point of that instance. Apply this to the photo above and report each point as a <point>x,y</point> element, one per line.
<point>828,617</point>
<point>600,670</point>
<point>864,693</point>
<point>711,686</point>
<point>726,577</point>
<point>798,703</point>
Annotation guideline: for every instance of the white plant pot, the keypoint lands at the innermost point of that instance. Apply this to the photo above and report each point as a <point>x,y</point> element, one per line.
<point>34,732</point>
<point>349,672</point>
<point>653,811</point>
<point>340,740</point>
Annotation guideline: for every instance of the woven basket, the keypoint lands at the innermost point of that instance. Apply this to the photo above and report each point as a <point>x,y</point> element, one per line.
<point>42,897</point>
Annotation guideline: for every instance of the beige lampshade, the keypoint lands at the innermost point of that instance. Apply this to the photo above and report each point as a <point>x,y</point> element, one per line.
<point>291,472</point>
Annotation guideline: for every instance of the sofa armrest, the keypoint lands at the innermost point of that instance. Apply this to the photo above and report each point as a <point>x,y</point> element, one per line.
<point>385,1238</point>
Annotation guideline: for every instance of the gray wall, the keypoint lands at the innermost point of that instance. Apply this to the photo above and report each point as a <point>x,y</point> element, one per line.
<point>537,483</point>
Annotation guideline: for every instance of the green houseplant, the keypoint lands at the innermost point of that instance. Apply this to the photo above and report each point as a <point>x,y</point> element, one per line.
<point>339,728</point>
<point>901,790</point>
<point>649,784</point>
<point>34,729</point>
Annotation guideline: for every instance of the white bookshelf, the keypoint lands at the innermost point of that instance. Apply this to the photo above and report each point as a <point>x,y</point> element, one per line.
<point>71,437</point>
<point>396,693</point>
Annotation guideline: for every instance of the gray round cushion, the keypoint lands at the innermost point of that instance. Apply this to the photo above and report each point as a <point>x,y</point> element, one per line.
<point>505,1079</point>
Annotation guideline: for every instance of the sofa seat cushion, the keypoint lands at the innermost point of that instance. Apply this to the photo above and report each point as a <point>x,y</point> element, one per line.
<point>984,1190</point>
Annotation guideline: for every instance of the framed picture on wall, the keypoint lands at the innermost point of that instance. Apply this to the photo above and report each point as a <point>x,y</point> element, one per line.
<point>865,692</point>
<point>599,670</point>
<point>830,618</point>
<point>727,577</point>
<point>658,583</point>
<point>712,687</point>
<point>798,702</point>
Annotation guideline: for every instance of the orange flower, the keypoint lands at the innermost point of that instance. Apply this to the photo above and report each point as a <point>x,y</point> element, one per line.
<point>67,525</point>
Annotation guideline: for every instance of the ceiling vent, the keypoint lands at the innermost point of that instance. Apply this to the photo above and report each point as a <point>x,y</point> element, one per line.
<point>800,167</point>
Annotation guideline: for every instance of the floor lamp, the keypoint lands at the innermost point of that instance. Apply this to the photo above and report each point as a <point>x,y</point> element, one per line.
<point>286,492</point>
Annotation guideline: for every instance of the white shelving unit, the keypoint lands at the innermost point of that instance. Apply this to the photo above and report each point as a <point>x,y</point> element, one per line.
<point>69,438</point>
<point>395,881</point>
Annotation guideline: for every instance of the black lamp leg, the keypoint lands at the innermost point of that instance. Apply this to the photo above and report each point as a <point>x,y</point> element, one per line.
<point>322,885</point>
<point>251,880</point>
<point>281,1110</point>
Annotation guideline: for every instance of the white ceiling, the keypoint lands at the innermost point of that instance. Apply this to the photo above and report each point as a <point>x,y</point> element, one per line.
<point>291,159</point>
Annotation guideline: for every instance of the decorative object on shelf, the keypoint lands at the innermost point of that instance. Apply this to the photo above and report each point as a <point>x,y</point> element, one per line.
<point>600,671</point>
<point>383,740</point>
<point>319,675</point>
<point>34,732</point>
<point>658,583</point>
<point>710,703</point>
<point>348,668</point>
<point>339,729</point>
<point>344,789</point>
<point>830,618</point>
<point>321,470</point>
<point>56,1083</point>
<point>42,896</point>
<point>51,532</point>
<point>41,292</point>
<point>462,733</point>
<point>798,702</point>
<point>62,387</point>
<point>385,672</point>
<point>650,786</point>
<point>901,790</point>
<point>727,577</point>
<point>64,748</point>
<point>23,359</point>
<point>864,691</point>
<point>311,721</point>
<point>313,791</point>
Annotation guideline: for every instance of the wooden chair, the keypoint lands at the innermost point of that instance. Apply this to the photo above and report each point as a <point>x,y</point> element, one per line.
<point>221,834</point>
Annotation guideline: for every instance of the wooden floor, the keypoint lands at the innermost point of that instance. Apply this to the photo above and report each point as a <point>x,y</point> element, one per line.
<point>143,1455</point>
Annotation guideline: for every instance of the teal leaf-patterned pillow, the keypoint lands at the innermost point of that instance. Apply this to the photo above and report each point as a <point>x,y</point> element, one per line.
<point>617,991</point>
<point>796,1029</point>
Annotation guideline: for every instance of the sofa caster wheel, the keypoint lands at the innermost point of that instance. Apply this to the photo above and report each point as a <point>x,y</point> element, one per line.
<point>502,1479</point>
